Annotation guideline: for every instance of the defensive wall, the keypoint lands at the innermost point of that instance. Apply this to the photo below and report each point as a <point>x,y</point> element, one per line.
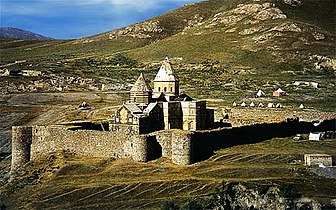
<point>183,147</point>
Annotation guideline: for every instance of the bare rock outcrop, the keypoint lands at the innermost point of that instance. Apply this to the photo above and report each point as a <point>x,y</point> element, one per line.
<point>252,30</point>
<point>270,13</point>
<point>141,30</point>
<point>266,36</point>
<point>293,27</point>
<point>318,36</point>
<point>258,12</point>
<point>293,2</point>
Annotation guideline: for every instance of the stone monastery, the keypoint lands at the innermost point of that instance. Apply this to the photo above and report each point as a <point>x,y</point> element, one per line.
<point>163,108</point>
<point>140,129</point>
<point>151,124</point>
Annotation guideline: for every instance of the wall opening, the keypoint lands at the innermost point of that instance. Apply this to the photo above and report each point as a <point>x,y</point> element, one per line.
<point>154,149</point>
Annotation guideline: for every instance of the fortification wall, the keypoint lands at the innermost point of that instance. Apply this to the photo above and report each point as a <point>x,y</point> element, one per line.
<point>183,147</point>
<point>204,143</point>
<point>84,142</point>
<point>164,139</point>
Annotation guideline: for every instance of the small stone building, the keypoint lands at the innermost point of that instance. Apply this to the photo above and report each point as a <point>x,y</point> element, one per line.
<point>162,109</point>
<point>278,93</point>
<point>315,136</point>
<point>318,159</point>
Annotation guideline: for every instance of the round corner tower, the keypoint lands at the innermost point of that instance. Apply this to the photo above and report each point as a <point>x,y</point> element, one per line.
<point>21,141</point>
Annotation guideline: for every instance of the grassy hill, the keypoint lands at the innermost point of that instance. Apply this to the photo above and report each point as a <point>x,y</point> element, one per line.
<point>191,32</point>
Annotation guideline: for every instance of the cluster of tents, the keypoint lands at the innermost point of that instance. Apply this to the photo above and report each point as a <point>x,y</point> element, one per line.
<point>260,93</point>
<point>269,105</point>
<point>252,104</point>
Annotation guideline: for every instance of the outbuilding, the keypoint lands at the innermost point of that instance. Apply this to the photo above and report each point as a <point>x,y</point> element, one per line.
<point>315,136</point>
<point>323,160</point>
<point>279,93</point>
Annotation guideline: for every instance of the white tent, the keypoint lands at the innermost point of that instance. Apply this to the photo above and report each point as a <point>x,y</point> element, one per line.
<point>234,104</point>
<point>315,136</point>
<point>243,104</point>
<point>252,104</point>
<point>270,105</point>
<point>260,93</point>
<point>301,106</point>
<point>279,105</point>
<point>261,104</point>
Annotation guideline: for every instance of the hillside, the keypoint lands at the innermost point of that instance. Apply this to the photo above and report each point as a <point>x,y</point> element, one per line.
<point>17,33</point>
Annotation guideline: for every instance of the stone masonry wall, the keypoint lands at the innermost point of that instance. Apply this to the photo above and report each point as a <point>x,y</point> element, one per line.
<point>164,139</point>
<point>183,147</point>
<point>21,140</point>
<point>84,142</point>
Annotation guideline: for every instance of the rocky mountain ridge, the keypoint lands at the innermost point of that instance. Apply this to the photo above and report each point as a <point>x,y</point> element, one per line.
<point>17,33</point>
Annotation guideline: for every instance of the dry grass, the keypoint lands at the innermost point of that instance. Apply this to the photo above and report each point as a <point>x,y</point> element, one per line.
<point>73,182</point>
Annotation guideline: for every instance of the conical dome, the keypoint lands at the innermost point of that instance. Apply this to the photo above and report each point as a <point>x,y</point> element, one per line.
<point>141,85</point>
<point>165,73</point>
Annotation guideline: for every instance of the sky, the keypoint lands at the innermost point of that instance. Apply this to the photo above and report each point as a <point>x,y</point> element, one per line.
<point>68,19</point>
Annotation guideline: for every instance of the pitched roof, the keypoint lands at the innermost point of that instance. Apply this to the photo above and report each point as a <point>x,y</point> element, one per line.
<point>141,85</point>
<point>279,90</point>
<point>150,107</point>
<point>183,97</point>
<point>165,73</point>
<point>133,108</point>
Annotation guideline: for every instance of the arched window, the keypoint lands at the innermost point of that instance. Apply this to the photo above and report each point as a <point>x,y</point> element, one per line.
<point>171,89</point>
<point>159,88</point>
<point>165,89</point>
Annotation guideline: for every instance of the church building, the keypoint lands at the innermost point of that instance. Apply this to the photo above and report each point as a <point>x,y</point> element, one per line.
<point>162,108</point>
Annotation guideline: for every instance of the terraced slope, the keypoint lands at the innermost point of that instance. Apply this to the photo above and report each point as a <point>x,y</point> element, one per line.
<point>65,181</point>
